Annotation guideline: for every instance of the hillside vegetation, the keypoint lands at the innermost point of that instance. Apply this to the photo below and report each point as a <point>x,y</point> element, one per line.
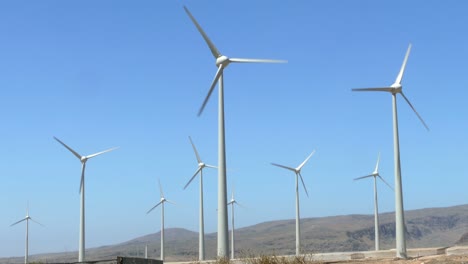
<point>432,227</point>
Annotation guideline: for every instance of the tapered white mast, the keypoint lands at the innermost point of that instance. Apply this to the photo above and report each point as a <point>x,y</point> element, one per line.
<point>83,160</point>
<point>221,63</point>
<point>297,172</point>
<point>394,89</point>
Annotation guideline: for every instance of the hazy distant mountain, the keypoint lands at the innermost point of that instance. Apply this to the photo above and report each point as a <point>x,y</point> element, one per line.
<point>432,227</point>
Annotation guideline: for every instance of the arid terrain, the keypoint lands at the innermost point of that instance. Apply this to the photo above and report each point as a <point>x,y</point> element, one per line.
<point>425,228</point>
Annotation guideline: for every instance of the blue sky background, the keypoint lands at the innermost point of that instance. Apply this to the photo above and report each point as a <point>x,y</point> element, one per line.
<point>99,74</point>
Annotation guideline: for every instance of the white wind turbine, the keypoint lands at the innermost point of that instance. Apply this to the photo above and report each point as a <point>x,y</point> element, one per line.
<point>161,202</point>
<point>201,235</point>
<point>222,62</point>
<point>27,218</point>
<point>376,174</point>
<point>394,89</point>
<point>232,202</point>
<point>83,159</point>
<point>297,171</point>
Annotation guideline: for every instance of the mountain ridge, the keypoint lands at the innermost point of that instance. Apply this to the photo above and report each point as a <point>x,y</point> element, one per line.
<point>427,227</point>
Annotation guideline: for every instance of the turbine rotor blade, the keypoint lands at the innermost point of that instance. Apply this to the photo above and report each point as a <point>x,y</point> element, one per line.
<point>213,84</point>
<point>15,223</point>
<point>403,66</point>
<point>153,207</point>
<point>244,60</point>
<point>363,177</point>
<point>36,222</point>
<point>210,44</point>
<point>377,165</point>
<point>160,189</point>
<point>303,184</point>
<point>284,167</point>
<point>102,152</point>
<point>240,205</point>
<point>70,149</point>
<point>305,161</point>
<point>171,202</point>
<point>232,194</point>
<point>195,150</point>
<point>414,110</point>
<point>386,182</point>
<point>82,176</point>
<point>210,166</point>
<point>193,177</point>
<point>375,89</point>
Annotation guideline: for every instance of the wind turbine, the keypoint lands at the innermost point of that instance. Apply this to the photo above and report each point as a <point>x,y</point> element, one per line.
<point>376,174</point>
<point>297,171</point>
<point>161,202</point>
<point>394,89</point>
<point>232,202</point>
<point>201,235</point>
<point>222,62</point>
<point>27,218</point>
<point>83,159</point>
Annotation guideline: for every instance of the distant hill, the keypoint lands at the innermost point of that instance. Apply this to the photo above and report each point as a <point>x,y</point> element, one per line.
<point>431,227</point>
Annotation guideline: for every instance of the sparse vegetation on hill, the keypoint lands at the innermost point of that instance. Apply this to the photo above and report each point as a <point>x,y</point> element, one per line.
<point>433,227</point>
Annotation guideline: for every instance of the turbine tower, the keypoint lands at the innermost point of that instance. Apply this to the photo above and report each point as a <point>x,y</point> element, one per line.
<point>201,235</point>
<point>222,62</point>
<point>161,202</point>
<point>232,202</point>
<point>83,160</point>
<point>376,174</point>
<point>297,171</point>
<point>27,218</point>
<point>394,89</point>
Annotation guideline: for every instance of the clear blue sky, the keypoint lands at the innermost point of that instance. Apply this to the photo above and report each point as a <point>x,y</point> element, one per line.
<point>99,74</point>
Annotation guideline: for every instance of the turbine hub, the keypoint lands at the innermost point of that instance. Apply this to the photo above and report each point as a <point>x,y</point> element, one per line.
<point>222,60</point>
<point>201,165</point>
<point>396,88</point>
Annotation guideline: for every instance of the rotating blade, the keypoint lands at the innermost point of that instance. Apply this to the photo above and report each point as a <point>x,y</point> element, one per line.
<point>210,44</point>
<point>244,60</point>
<point>153,207</point>
<point>70,149</point>
<point>305,161</point>
<point>213,84</point>
<point>195,150</point>
<point>375,89</point>
<point>414,110</point>
<point>101,152</point>
<point>193,177</point>
<point>303,184</point>
<point>403,66</point>
<point>284,167</point>
<point>15,223</point>
<point>386,182</point>
<point>363,177</point>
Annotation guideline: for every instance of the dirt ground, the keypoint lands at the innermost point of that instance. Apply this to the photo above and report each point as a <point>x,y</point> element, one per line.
<point>421,260</point>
